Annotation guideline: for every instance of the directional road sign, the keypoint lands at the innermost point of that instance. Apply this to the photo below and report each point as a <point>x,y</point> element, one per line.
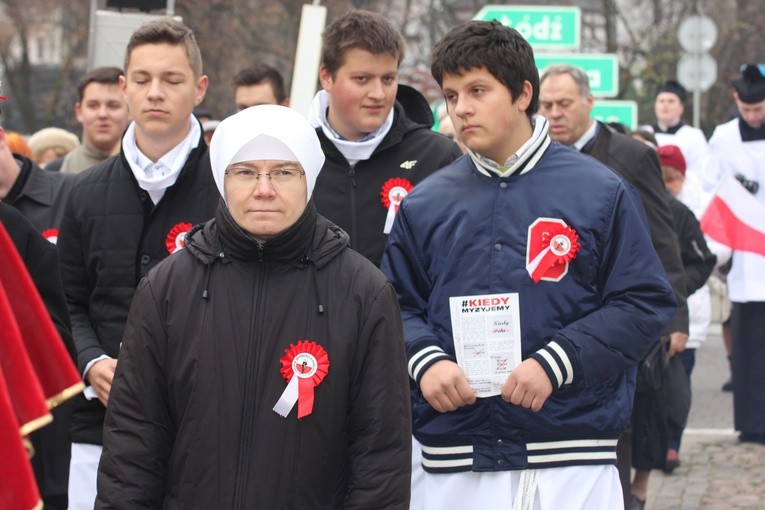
<point>624,112</point>
<point>601,68</point>
<point>552,28</point>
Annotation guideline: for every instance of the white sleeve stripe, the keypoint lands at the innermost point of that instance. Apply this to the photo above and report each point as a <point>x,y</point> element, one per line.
<point>414,372</point>
<point>553,365</point>
<point>447,450</point>
<point>566,362</point>
<point>448,463</point>
<point>571,444</point>
<point>419,355</point>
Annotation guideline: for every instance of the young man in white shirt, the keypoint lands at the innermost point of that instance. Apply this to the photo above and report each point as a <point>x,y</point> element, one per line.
<point>128,213</point>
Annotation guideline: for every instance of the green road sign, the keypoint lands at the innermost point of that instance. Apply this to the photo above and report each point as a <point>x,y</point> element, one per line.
<point>601,68</point>
<point>624,112</point>
<point>553,28</point>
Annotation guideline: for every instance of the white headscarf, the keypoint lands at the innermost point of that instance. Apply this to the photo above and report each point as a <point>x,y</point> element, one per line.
<point>266,132</point>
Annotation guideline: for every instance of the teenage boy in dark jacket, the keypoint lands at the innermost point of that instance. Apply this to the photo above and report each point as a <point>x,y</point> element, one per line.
<point>376,133</point>
<point>128,213</point>
<point>526,220</point>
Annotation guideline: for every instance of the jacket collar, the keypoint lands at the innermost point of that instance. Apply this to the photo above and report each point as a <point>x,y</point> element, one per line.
<point>524,159</point>
<point>221,239</point>
<point>602,141</point>
<point>198,160</point>
<point>289,246</point>
<point>670,130</point>
<point>31,183</point>
<point>750,134</point>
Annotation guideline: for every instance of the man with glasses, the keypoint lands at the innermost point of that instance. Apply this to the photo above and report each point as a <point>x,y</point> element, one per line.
<point>263,365</point>
<point>738,148</point>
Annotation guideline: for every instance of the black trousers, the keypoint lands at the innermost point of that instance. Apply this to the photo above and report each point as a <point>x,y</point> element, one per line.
<point>748,364</point>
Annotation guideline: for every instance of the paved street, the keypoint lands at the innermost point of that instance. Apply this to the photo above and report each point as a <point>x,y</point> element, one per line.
<point>717,472</point>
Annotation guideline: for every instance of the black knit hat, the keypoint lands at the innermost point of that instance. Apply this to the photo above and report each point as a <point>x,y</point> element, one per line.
<point>750,86</point>
<point>674,87</point>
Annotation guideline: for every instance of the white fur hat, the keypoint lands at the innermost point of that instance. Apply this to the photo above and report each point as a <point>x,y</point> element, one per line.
<point>266,132</point>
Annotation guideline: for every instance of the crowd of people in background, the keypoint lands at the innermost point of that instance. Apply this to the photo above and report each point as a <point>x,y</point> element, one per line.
<point>260,305</point>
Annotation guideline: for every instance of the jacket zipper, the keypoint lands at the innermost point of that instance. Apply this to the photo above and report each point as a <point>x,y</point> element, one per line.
<point>249,402</point>
<point>354,212</point>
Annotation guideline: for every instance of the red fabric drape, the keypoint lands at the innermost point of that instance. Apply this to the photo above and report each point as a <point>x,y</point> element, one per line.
<point>17,481</point>
<point>36,374</point>
<point>51,362</point>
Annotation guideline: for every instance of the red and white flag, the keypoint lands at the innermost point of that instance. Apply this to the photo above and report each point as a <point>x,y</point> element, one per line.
<point>735,218</point>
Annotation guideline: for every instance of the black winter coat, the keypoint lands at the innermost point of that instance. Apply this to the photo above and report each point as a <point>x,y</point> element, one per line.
<point>638,164</point>
<point>190,422</point>
<point>351,197</point>
<point>698,260</point>
<point>111,236</point>
<point>40,196</point>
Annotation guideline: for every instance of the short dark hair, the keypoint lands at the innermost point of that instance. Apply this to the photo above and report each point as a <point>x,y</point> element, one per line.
<point>168,31</point>
<point>499,49</point>
<point>674,87</point>
<point>103,75</point>
<point>365,30</point>
<point>260,73</point>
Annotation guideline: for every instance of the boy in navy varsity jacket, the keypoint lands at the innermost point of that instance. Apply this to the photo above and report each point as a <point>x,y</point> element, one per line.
<point>522,218</point>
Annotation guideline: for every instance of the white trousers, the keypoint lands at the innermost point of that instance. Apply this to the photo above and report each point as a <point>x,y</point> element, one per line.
<point>564,488</point>
<point>83,469</point>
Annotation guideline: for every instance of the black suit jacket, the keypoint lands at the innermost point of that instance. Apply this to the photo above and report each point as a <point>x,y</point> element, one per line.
<point>639,165</point>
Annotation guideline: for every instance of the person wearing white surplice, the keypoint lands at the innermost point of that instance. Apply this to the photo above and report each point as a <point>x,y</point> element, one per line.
<point>738,148</point>
<point>671,130</point>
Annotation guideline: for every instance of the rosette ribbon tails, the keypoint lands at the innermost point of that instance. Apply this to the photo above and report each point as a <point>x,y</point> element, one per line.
<point>304,366</point>
<point>561,244</point>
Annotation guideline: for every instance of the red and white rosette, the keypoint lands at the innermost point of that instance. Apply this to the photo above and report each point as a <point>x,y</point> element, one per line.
<point>562,245</point>
<point>393,192</point>
<point>304,366</point>
<point>176,238</point>
<point>51,235</point>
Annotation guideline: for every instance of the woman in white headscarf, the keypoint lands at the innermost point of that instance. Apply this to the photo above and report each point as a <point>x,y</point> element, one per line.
<point>263,366</point>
